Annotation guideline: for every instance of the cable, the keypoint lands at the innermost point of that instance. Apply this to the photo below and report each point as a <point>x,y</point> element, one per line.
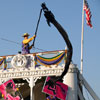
<point>40,49</point>
<point>20,44</point>
<point>10,41</point>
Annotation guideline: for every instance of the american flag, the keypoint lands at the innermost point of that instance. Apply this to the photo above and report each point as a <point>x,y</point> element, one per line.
<point>88,13</point>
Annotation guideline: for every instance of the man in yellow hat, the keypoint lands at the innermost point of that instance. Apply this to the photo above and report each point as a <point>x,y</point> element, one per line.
<point>25,43</point>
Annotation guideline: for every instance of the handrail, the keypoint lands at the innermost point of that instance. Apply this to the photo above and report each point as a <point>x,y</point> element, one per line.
<point>33,60</point>
<point>47,52</point>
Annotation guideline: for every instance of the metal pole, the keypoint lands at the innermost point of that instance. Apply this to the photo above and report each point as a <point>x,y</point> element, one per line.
<point>31,88</point>
<point>88,87</point>
<point>82,37</point>
<point>37,26</point>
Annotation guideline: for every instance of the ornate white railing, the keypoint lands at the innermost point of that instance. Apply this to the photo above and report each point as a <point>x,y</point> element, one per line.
<point>21,73</point>
<point>24,66</point>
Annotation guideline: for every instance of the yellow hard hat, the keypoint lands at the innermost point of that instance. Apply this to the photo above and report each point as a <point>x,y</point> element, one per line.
<point>25,34</point>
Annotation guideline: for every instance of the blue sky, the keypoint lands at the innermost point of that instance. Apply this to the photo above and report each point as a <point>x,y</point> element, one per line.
<point>20,16</point>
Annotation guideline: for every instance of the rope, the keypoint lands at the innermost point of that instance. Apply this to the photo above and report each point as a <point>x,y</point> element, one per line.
<point>20,44</point>
<point>40,49</point>
<point>10,41</point>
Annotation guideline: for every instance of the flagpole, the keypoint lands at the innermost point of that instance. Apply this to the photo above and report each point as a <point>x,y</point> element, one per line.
<point>82,37</point>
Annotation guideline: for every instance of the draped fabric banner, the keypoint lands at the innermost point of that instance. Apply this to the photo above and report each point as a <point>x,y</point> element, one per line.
<point>3,61</point>
<point>5,64</point>
<point>50,61</point>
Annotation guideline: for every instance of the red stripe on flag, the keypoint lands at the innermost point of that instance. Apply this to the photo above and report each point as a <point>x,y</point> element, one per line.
<point>88,14</point>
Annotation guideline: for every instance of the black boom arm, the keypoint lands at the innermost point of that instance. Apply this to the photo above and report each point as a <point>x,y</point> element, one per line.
<point>51,19</point>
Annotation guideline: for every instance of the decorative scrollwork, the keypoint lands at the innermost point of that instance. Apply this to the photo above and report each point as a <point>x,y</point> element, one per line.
<point>19,61</point>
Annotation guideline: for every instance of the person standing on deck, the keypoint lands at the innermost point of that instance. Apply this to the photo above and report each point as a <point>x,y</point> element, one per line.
<point>25,43</point>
